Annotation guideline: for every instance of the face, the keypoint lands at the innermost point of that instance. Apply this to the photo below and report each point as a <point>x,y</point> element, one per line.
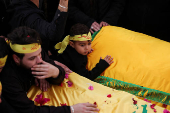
<point>82,47</point>
<point>31,59</point>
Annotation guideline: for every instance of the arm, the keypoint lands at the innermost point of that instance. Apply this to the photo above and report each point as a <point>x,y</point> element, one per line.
<point>51,30</point>
<point>75,14</point>
<point>15,95</point>
<point>114,12</point>
<point>94,73</point>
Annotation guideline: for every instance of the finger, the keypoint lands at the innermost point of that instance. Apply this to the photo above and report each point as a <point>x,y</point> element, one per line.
<point>45,87</point>
<point>41,77</point>
<point>48,85</point>
<point>90,105</point>
<point>36,82</point>
<point>91,31</point>
<point>100,57</point>
<point>92,109</point>
<point>41,66</point>
<point>40,69</point>
<point>101,24</point>
<point>41,86</point>
<point>96,27</point>
<point>39,73</point>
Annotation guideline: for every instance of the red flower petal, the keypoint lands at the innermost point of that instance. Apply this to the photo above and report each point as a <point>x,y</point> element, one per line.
<point>63,104</point>
<point>61,85</point>
<point>154,110</point>
<point>147,100</point>
<point>40,100</point>
<point>164,105</point>
<point>95,103</point>
<point>109,95</point>
<point>134,101</point>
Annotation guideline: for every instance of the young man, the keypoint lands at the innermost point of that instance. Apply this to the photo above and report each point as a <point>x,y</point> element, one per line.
<point>25,62</point>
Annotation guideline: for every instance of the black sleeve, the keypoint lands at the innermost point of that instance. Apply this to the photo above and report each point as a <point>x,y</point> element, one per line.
<point>75,14</point>
<point>116,9</point>
<point>95,72</point>
<point>5,107</point>
<point>52,30</point>
<point>14,94</point>
<point>61,76</point>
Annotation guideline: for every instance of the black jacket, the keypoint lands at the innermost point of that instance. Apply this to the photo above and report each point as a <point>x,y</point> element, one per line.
<point>16,81</point>
<point>151,17</point>
<point>26,13</point>
<point>77,63</point>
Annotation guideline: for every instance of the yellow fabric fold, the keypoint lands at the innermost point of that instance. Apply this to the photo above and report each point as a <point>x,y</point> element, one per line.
<point>139,59</point>
<point>119,102</point>
<point>3,60</point>
<point>0,87</point>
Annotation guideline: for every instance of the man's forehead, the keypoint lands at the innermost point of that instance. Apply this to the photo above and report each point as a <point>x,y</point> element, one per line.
<point>36,53</point>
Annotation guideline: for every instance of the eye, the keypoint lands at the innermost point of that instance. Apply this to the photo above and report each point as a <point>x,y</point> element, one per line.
<point>89,43</point>
<point>82,45</point>
<point>32,58</point>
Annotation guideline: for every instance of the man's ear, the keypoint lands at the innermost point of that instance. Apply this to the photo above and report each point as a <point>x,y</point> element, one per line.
<point>71,44</point>
<point>16,59</point>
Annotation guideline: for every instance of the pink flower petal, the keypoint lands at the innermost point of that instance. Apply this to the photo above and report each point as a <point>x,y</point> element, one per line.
<point>90,88</point>
<point>39,99</point>
<point>154,110</point>
<point>147,100</point>
<point>69,84</point>
<point>66,76</point>
<point>152,106</point>
<point>109,95</point>
<point>166,111</point>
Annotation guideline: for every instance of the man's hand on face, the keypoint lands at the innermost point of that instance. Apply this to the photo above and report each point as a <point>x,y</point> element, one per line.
<point>42,83</point>
<point>45,70</point>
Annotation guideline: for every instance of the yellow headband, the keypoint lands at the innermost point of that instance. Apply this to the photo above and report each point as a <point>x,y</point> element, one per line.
<point>3,61</point>
<point>62,45</point>
<point>27,48</point>
<point>0,87</point>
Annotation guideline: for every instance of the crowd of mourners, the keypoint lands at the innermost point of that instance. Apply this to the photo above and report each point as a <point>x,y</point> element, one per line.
<point>32,30</point>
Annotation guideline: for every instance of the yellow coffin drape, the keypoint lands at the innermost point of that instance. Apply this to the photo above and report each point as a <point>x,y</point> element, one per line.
<point>120,101</point>
<point>138,58</point>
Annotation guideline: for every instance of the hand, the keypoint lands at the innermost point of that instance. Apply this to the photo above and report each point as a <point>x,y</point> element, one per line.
<point>85,108</point>
<point>103,24</point>
<point>42,83</point>
<point>108,59</point>
<point>94,27</point>
<point>66,69</point>
<point>45,70</point>
<point>64,5</point>
<point>91,51</point>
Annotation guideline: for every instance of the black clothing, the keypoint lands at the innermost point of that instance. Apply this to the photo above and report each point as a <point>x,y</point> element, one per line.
<point>77,63</point>
<point>26,13</point>
<point>16,81</point>
<point>88,11</point>
<point>151,17</point>
<point>5,107</point>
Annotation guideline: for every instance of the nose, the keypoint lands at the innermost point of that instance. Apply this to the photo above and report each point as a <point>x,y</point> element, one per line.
<point>39,59</point>
<point>87,47</point>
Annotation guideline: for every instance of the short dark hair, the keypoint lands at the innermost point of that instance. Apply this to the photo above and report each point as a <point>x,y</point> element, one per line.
<point>4,49</point>
<point>79,29</point>
<point>23,35</point>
